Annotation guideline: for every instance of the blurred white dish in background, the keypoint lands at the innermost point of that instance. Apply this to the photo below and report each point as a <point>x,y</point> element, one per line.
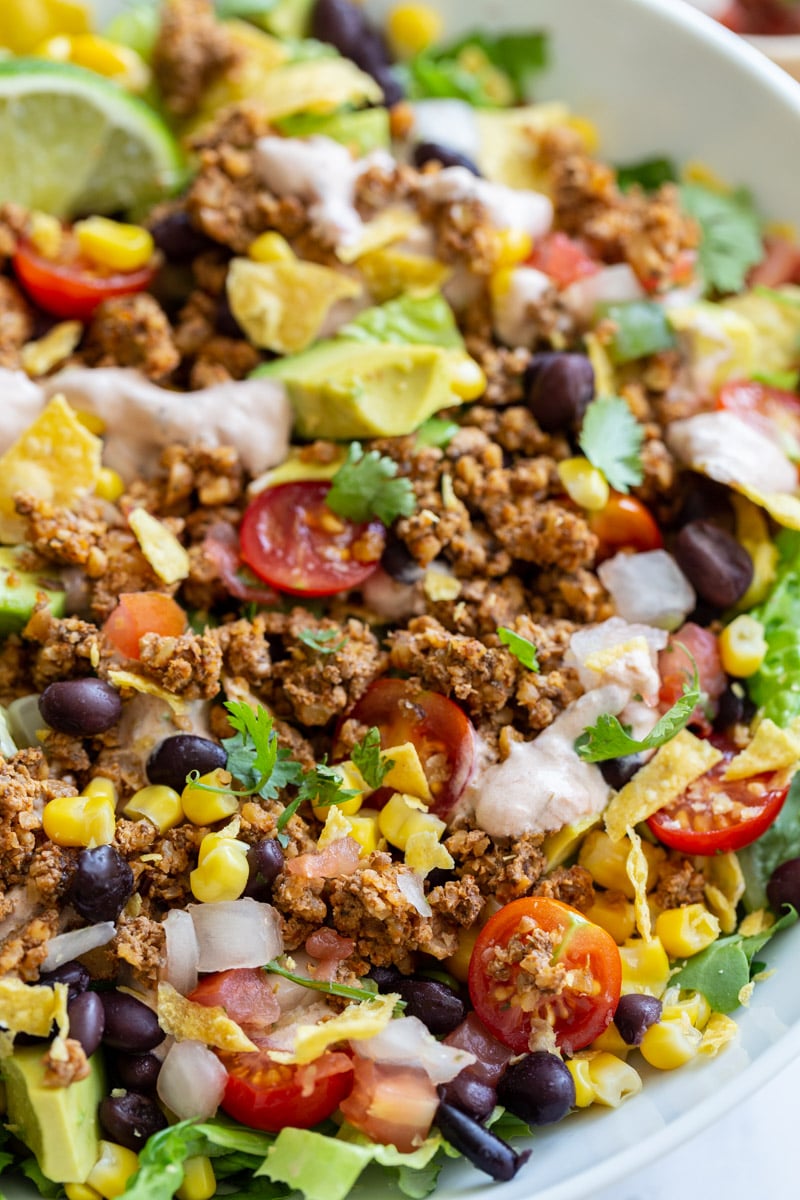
<point>785,51</point>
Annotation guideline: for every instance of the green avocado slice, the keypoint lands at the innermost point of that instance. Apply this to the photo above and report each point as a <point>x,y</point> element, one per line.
<point>19,591</point>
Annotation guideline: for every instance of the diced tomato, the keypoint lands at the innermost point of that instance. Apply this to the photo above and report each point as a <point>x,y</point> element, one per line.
<point>780,264</point>
<point>245,994</point>
<point>73,288</point>
<point>442,733</point>
<point>139,613</point>
<point>714,816</point>
<point>393,1105</point>
<point>268,1095</point>
<point>676,670</point>
<point>624,524</point>
<point>683,270</point>
<point>563,259</point>
<point>580,959</point>
<point>772,410</point>
<point>293,541</point>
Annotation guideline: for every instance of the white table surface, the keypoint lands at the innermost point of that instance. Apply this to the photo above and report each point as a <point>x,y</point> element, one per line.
<point>753,1151</point>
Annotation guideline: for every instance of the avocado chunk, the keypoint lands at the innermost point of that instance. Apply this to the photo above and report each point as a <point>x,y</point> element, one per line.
<point>342,389</point>
<point>361,132</point>
<point>19,591</point>
<point>285,18</point>
<point>59,1124</point>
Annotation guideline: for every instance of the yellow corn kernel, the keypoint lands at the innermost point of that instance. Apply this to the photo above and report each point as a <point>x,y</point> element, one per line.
<point>670,1044</point>
<point>645,967</point>
<point>113,1169</point>
<point>109,485</point>
<point>584,1092</point>
<point>606,862</point>
<point>614,913</point>
<point>206,808</point>
<point>686,931</point>
<point>364,830</point>
<point>583,483</point>
<point>113,244</point>
<point>45,233</point>
<point>458,964</point>
<point>269,248</point>
<point>514,246</point>
<point>611,1079</point>
<point>158,804</point>
<point>79,820</point>
<point>467,379</point>
<point>26,24</point>
<point>351,780</point>
<point>694,1006</point>
<point>412,28</point>
<point>222,875</point>
<point>742,646</point>
<point>612,1042</point>
<point>199,1181</point>
<point>102,786</point>
<point>80,1191</point>
<point>225,837</point>
<point>404,815</point>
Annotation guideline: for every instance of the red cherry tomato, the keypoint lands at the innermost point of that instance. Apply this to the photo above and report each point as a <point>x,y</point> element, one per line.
<point>393,1105</point>
<point>563,259</point>
<point>139,613</point>
<point>582,961</point>
<point>774,411</point>
<point>714,817</point>
<point>442,733</point>
<point>624,524</point>
<point>268,1095</point>
<point>780,264</point>
<point>293,541</point>
<point>73,289</point>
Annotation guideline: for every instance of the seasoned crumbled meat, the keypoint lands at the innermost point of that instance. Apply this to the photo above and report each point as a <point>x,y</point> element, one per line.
<point>478,676</point>
<point>504,868</point>
<point>578,596</point>
<point>458,899</point>
<point>245,650</point>
<point>65,1063</point>
<point>530,950</point>
<point>132,838</point>
<point>13,225</point>
<point>141,942</point>
<point>165,877</point>
<point>64,535</point>
<point>301,904</point>
<point>570,885</point>
<point>464,234</point>
<point>187,666</point>
<point>66,755</point>
<point>679,883</point>
<point>131,331</point>
<point>24,790</point>
<point>191,52</point>
<point>66,647</point>
<point>543,532</point>
<point>127,570</point>
<point>16,323</point>
<point>24,951</point>
<point>50,872</point>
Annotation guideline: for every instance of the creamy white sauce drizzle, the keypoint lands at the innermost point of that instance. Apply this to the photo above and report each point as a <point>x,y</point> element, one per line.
<point>507,208</point>
<point>510,308</point>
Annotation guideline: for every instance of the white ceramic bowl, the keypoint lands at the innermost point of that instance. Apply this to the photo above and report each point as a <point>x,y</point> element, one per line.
<point>785,51</point>
<point>658,78</point>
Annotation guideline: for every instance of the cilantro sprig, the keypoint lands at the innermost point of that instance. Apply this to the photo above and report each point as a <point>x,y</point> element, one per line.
<point>611,438</point>
<point>323,641</point>
<point>366,485</point>
<point>254,757</point>
<point>366,754</point>
<point>730,235</point>
<point>522,649</point>
<point>609,738</point>
<point>322,786</point>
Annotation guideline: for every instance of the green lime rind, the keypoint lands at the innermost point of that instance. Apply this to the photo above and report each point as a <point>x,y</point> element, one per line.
<point>72,142</point>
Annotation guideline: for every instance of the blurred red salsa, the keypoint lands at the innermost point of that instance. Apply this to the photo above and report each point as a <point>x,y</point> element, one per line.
<point>763,17</point>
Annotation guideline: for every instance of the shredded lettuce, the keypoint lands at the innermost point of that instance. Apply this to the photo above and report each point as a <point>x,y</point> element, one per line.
<point>485,71</point>
<point>775,687</point>
<point>408,320</point>
<point>776,845</point>
<point>730,229</point>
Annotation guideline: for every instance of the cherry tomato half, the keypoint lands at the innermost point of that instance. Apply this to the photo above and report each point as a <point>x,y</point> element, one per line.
<point>774,411</point>
<point>442,733</point>
<point>293,541</point>
<point>563,259</point>
<point>268,1095</point>
<point>714,817</point>
<point>73,289</point>
<point>139,613</point>
<point>624,524</point>
<point>579,980</point>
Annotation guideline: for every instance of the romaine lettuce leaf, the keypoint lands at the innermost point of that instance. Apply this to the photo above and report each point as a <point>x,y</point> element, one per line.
<point>775,687</point>
<point>408,320</point>
<point>486,71</point>
<point>778,844</point>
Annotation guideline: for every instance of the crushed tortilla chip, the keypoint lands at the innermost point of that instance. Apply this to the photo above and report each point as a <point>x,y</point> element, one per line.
<point>509,142</point>
<point>160,547</point>
<point>439,583</point>
<point>719,1032</point>
<point>336,826</point>
<point>665,777</point>
<point>55,459</point>
<point>50,351</point>
<point>358,1022</point>
<point>781,506</point>
<point>32,1008</point>
<point>320,85</point>
<point>604,373</point>
<point>185,1020</point>
<point>128,679</point>
<point>756,922</point>
<point>771,749</point>
<point>391,272</point>
<point>392,225</point>
<point>724,888</point>
<point>601,660</point>
<point>638,868</point>
<point>746,993</point>
<point>282,305</point>
<point>424,852</point>
<point>406,773</point>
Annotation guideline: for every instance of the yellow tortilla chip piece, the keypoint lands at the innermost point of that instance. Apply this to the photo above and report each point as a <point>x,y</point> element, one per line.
<point>160,547</point>
<point>781,506</point>
<point>771,749</point>
<point>406,773</point>
<point>392,225</point>
<point>127,679</point>
<point>32,1008</point>
<point>509,142</point>
<point>55,347</point>
<point>424,852</point>
<point>756,922</point>
<point>358,1022</point>
<point>718,1033</point>
<point>321,85</point>
<point>55,459</point>
<point>601,660</point>
<point>282,305</point>
<point>336,827</point>
<point>724,888</point>
<point>638,868</point>
<point>391,272</point>
<point>746,993</point>
<point>664,778</point>
<point>185,1020</point>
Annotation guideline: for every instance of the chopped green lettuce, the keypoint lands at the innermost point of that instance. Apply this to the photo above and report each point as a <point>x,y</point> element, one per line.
<point>649,174</point>
<point>485,71</point>
<point>777,845</point>
<point>407,321</point>
<point>775,687</point>
<point>730,235</point>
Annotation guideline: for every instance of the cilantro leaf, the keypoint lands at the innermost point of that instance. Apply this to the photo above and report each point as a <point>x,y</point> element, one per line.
<point>611,438</point>
<point>366,754</point>
<point>321,639</point>
<point>254,757</point>
<point>650,174</point>
<point>724,968</point>
<point>609,738</point>
<point>254,729</point>
<point>323,786</point>
<point>522,649</point>
<point>365,486</point>
<point>730,235</point>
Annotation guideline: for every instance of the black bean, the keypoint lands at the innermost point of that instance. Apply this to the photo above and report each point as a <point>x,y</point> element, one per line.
<point>718,567</point>
<point>558,389</point>
<point>172,760</point>
<point>735,707</point>
<point>102,884</point>
<point>265,861</point>
<point>177,238</point>
<point>340,23</point>
<point>87,1020</point>
<point>131,1119</point>
<point>439,876</point>
<point>434,1003</point>
<point>474,1097</point>
<point>73,974</point>
<point>784,885</point>
<point>425,152</point>
<point>136,1071</point>
<point>130,1024</point>
<point>80,707</point>
<point>619,771</point>
<point>634,1016</point>
<point>539,1088</point>
<point>386,978</point>
<point>225,322</point>
<point>398,561</point>
<point>704,499</point>
<point>483,1148</point>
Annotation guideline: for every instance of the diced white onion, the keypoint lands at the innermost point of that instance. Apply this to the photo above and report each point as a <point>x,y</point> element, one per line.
<point>627,667</point>
<point>648,587</point>
<point>191,1081</point>
<point>407,1042</point>
<point>611,285</point>
<point>7,745</point>
<point>183,951</point>
<point>511,306</point>
<point>236,933</point>
<point>291,995</point>
<point>66,946</point>
<point>410,884</point>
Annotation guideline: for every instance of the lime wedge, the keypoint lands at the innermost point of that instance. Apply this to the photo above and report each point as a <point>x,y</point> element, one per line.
<point>73,143</point>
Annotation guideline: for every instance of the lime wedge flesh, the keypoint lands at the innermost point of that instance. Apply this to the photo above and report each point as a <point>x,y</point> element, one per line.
<point>72,143</point>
